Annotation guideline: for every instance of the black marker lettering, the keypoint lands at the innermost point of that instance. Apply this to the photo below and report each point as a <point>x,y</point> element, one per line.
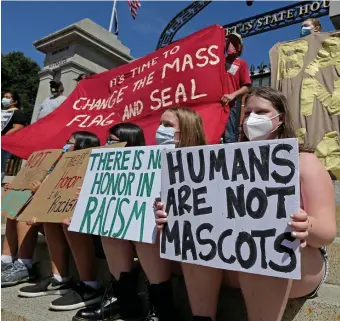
<point>261,166</point>
<point>239,166</point>
<point>196,192</point>
<point>171,236</point>
<point>188,243</point>
<point>221,239</point>
<point>281,192</point>
<point>236,202</point>
<point>282,162</point>
<point>262,235</point>
<point>212,253</point>
<point>262,200</point>
<point>284,249</point>
<point>218,163</point>
<point>190,159</point>
<point>244,237</point>
<point>172,169</point>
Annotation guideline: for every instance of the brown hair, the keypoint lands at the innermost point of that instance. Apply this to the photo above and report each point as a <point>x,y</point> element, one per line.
<point>190,126</point>
<point>279,102</point>
<point>316,23</point>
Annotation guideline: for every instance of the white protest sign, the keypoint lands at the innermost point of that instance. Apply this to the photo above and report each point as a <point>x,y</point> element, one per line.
<point>6,116</point>
<point>117,196</point>
<point>229,206</point>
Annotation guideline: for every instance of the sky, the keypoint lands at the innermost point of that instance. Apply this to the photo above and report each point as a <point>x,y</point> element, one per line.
<point>23,22</point>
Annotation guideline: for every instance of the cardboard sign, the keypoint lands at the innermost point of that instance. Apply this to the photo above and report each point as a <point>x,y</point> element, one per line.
<point>56,198</point>
<point>118,193</point>
<point>35,169</point>
<point>6,116</point>
<point>228,206</point>
<point>13,201</point>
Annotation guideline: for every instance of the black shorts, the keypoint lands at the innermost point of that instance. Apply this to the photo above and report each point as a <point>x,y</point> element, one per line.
<point>98,247</point>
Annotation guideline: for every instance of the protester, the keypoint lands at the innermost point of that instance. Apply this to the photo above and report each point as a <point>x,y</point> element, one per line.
<point>180,127</point>
<point>59,239</point>
<point>309,26</point>
<point>15,121</point>
<point>237,83</point>
<point>53,102</point>
<point>267,117</point>
<point>20,241</point>
<point>119,254</point>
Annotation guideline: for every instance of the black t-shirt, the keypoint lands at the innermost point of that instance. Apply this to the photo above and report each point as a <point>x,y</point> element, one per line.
<point>18,117</point>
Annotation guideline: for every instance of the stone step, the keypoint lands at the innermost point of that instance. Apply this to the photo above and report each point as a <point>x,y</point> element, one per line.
<point>325,307</point>
<point>337,211</point>
<point>334,262</point>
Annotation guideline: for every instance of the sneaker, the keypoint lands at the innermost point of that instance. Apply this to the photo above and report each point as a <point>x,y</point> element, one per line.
<point>4,265</point>
<point>47,286</point>
<point>79,296</point>
<point>14,274</point>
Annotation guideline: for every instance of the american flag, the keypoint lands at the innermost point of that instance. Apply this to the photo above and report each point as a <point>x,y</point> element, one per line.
<point>134,5</point>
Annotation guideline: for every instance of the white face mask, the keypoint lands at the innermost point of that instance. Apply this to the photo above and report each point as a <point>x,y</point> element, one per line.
<point>165,135</point>
<point>6,102</point>
<point>258,127</point>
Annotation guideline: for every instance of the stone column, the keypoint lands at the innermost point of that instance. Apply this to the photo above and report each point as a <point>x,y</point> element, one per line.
<point>43,91</point>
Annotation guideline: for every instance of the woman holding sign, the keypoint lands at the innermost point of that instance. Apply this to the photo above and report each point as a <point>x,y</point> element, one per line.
<point>83,248</point>
<point>267,118</point>
<point>120,253</point>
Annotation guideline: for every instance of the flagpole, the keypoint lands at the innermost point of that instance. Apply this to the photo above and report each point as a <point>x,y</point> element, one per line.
<point>112,14</point>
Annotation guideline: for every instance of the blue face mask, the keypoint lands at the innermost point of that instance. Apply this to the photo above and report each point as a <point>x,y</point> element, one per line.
<point>305,31</point>
<point>66,148</point>
<point>111,142</point>
<point>165,135</point>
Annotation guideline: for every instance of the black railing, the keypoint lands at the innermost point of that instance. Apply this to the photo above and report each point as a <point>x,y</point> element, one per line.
<point>13,166</point>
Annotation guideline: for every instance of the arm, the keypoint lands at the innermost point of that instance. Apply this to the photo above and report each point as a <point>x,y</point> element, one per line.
<point>317,194</point>
<point>242,91</point>
<point>15,128</point>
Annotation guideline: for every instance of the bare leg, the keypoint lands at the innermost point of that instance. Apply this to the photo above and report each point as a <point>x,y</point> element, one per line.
<point>258,290</point>
<point>203,286</point>
<point>27,239</point>
<point>57,247</point>
<point>10,245</point>
<point>119,255</point>
<point>84,254</point>
<point>156,269</point>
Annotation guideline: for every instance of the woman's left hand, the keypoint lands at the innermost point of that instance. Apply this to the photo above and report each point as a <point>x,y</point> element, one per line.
<point>300,225</point>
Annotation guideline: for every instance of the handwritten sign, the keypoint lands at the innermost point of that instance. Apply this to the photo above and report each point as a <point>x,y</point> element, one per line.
<point>14,201</point>
<point>140,92</point>
<point>118,193</point>
<point>35,169</point>
<point>56,198</point>
<point>6,116</point>
<point>228,206</point>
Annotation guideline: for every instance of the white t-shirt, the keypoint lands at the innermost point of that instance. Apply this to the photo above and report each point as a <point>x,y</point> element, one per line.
<point>49,105</point>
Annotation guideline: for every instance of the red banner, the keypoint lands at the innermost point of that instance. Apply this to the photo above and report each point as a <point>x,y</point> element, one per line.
<point>188,73</point>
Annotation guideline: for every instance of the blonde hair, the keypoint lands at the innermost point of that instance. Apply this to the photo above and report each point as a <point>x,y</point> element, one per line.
<point>316,23</point>
<point>190,127</point>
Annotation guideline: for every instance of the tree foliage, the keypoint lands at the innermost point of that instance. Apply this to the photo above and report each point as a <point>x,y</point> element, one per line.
<point>20,74</point>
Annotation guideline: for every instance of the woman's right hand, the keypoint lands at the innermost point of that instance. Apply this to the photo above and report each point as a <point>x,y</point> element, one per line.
<point>7,187</point>
<point>161,216</point>
<point>34,186</point>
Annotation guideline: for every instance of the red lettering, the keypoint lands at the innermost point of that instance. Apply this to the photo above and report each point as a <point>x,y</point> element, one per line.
<point>36,159</point>
<point>67,182</point>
